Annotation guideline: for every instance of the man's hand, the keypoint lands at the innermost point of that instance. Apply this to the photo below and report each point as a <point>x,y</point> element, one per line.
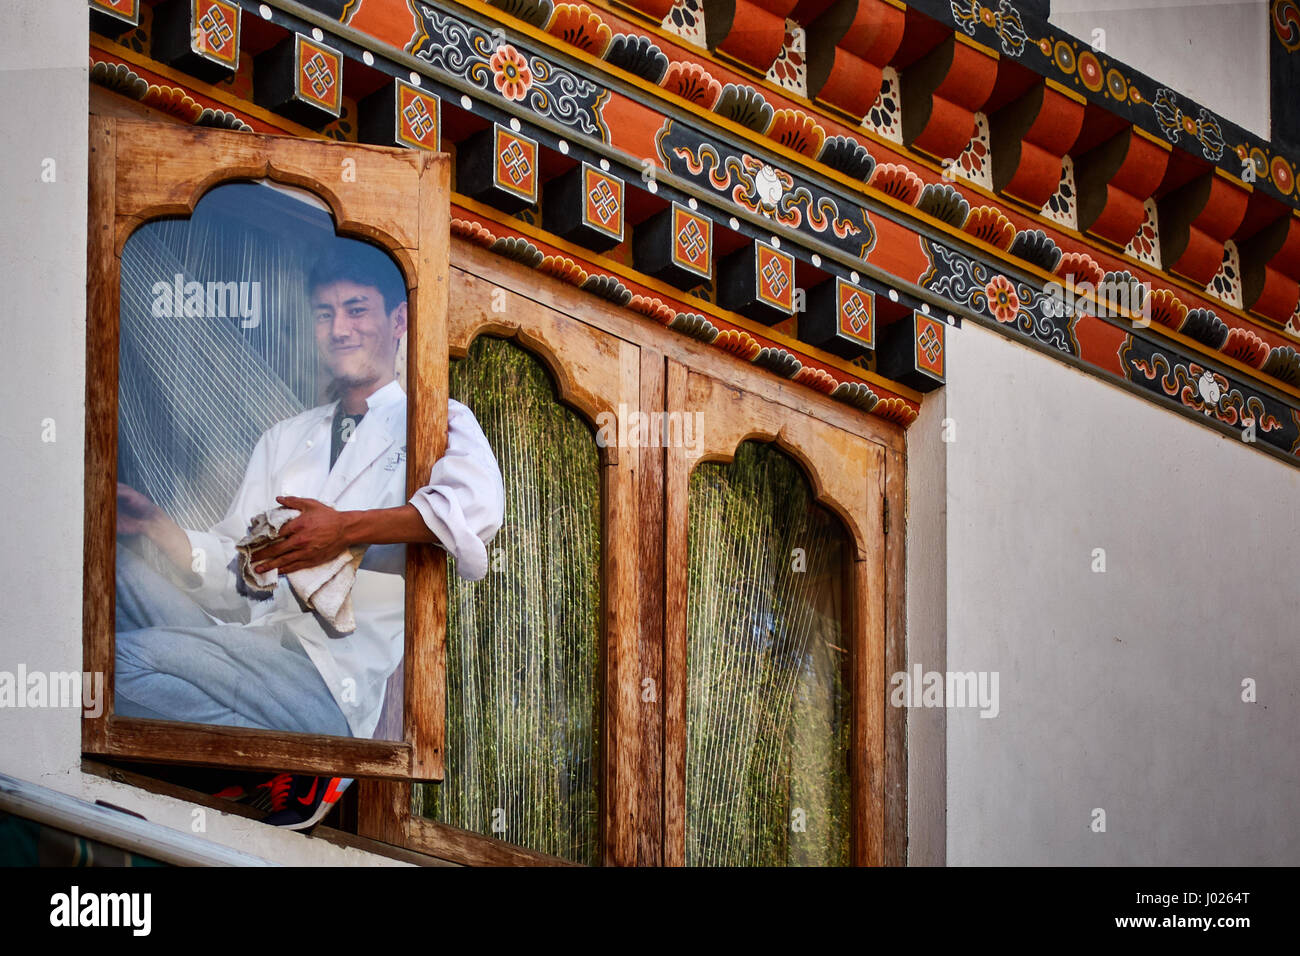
<point>136,514</point>
<point>317,535</point>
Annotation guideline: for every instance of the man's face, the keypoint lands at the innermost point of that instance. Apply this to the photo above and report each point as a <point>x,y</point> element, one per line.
<point>357,340</point>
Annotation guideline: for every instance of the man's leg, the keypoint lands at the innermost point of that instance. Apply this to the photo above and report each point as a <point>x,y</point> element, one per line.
<point>146,598</point>
<point>242,676</point>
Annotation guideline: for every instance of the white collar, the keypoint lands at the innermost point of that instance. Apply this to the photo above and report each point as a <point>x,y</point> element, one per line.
<point>387,395</point>
<point>390,393</point>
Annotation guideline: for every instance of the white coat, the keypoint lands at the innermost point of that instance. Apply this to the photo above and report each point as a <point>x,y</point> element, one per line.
<point>463,505</point>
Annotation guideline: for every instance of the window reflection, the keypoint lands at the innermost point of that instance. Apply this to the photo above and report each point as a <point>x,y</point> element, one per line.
<point>258,358</point>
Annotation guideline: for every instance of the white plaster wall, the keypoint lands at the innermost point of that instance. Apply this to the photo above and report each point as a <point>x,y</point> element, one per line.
<point>1215,51</point>
<point>43,57</point>
<point>927,603</point>
<point>1118,690</point>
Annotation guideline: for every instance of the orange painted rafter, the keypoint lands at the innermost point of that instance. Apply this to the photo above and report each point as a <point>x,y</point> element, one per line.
<point>849,46</point>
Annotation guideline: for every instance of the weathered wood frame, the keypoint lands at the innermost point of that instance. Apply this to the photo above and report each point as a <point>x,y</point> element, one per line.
<point>856,464</point>
<point>594,373</point>
<point>141,171</point>
<point>847,475</point>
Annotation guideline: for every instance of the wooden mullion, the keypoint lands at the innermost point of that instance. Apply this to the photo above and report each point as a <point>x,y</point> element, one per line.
<point>425,657</point>
<point>650,830</point>
<point>895,783</point>
<point>622,613</point>
<point>676,480</point>
<point>868,693</point>
<point>384,810</point>
<point>99,542</point>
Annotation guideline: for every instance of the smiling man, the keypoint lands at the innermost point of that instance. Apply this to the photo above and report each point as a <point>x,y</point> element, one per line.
<point>200,648</point>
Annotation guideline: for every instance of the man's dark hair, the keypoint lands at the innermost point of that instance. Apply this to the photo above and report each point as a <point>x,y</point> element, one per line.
<point>363,264</point>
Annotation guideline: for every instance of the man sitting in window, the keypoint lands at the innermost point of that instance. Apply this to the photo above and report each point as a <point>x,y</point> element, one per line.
<point>205,650</point>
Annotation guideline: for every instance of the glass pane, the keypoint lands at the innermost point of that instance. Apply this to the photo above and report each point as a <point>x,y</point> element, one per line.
<point>258,358</point>
<point>767,713</point>
<point>522,644</point>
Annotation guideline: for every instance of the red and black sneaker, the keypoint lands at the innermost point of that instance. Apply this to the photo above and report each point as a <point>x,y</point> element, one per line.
<point>259,792</point>
<point>310,799</point>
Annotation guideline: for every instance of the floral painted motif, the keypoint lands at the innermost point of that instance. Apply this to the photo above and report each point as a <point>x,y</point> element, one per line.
<point>1063,205</point>
<point>510,73</point>
<point>790,69</point>
<point>972,287</point>
<point>896,180</point>
<point>1167,309</point>
<point>798,131</point>
<point>1174,123</point>
<point>692,82</point>
<point>1002,300</point>
<point>579,27</point>
<point>1004,21</point>
<point>1145,244</point>
<point>987,224</point>
<point>686,20</point>
<point>1079,267</point>
<point>976,162</point>
<point>451,47</point>
<point>1246,347</point>
<point>895,410</point>
<point>1226,284</point>
<point>885,116</point>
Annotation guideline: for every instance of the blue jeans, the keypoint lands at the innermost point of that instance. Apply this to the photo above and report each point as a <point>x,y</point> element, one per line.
<point>174,663</point>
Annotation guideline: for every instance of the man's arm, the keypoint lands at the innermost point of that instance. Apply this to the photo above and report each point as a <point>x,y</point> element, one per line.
<point>320,533</point>
<point>460,509</point>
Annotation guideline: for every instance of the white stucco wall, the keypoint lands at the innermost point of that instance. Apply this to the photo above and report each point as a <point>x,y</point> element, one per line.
<point>43,273</point>
<point>927,614</point>
<point>1119,690</point>
<point>1215,51</point>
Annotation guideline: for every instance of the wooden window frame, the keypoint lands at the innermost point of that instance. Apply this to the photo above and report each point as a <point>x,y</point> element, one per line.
<point>141,171</point>
<point>846,472</point>
<point>642,805</point>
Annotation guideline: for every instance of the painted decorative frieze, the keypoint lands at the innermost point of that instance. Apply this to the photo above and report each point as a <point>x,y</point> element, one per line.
<point>973,287</point>
<point>755,186</point>
<point>469,53</point>
<point>1161,370</point>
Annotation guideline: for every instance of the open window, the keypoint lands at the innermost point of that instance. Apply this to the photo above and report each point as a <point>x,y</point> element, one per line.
<point>208,251</point>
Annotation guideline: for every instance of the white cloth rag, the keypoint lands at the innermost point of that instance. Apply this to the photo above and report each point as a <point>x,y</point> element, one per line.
<point>325,588</point>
